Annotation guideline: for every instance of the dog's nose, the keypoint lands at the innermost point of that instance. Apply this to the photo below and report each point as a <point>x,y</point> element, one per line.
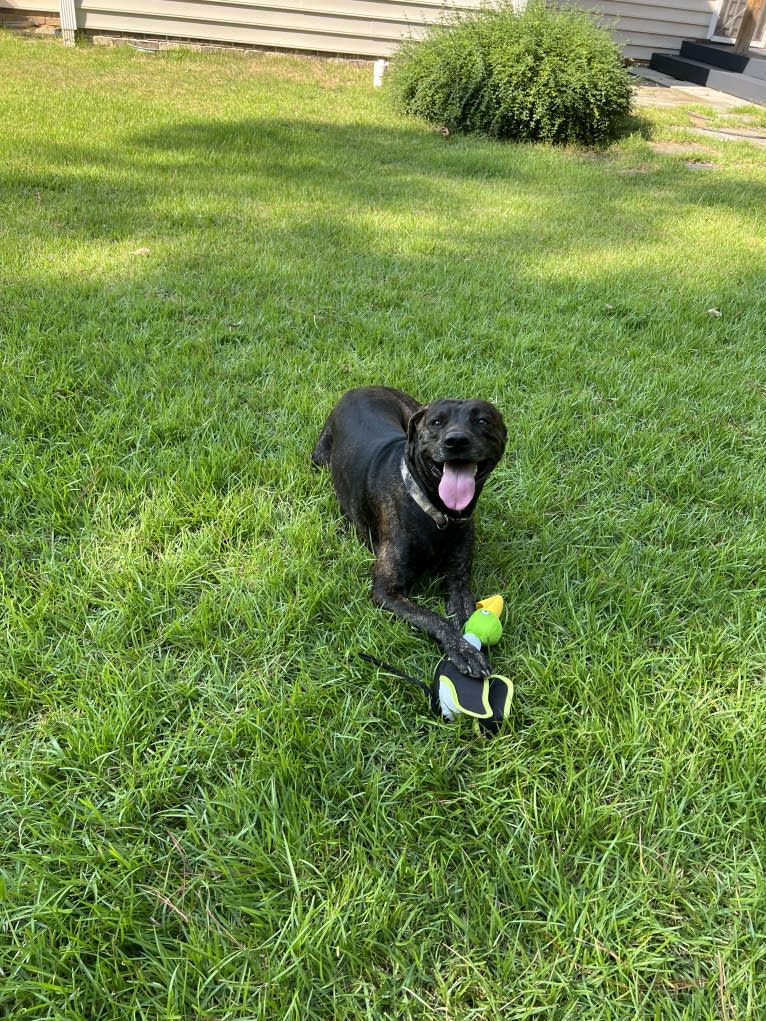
<point>456,441</point>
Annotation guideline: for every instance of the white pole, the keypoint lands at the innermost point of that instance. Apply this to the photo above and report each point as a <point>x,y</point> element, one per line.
<point>68,20</point>
<point>378,70</point>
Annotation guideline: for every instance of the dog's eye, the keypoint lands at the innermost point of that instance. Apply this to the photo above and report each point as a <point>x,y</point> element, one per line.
<point>483,420</point>
<point>436,422</point>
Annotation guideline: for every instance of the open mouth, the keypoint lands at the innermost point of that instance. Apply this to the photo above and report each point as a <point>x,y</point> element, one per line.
<point>457,486</point>
<point>456,481</point>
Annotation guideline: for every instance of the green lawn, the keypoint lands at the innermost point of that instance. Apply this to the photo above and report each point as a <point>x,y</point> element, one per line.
<point>210,809</point>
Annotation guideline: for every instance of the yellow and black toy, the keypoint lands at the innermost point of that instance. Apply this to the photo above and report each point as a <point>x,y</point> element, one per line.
<point>453,693</point>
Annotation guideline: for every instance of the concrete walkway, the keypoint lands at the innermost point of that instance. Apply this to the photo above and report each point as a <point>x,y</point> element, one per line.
<point>660,90</point>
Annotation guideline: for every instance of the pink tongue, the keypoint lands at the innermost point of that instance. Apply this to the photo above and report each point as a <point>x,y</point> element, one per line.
<point>457,486</point>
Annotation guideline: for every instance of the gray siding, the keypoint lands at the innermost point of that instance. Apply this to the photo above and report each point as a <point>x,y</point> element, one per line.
<point>369,28</point>
<point>29,7</point>
<point>654,26</point>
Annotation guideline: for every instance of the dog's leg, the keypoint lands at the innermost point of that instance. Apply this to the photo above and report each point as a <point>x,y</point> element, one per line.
<point>388,592</point>
<point>460,604</point>
<point>460,601</point>
<point>321,453</point>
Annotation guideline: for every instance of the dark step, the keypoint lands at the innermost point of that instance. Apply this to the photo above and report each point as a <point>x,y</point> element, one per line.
<point>743,86</point>
<point>725,58</point>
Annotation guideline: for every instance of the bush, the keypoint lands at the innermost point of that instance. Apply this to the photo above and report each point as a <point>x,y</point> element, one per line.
<point>543,74</point>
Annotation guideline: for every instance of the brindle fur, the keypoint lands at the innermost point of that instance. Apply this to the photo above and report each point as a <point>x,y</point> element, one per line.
<point>363,442</point>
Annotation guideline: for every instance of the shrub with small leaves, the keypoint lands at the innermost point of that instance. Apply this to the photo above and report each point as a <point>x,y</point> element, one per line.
<point>541,74</point>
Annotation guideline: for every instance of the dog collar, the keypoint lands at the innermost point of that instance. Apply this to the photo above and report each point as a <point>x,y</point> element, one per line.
<point>439,517</point>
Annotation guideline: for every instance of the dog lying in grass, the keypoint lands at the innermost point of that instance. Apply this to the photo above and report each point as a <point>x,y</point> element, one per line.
<point>408,477</point>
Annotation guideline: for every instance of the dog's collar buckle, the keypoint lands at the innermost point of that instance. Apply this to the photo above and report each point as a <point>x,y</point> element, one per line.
<point>440,519</point>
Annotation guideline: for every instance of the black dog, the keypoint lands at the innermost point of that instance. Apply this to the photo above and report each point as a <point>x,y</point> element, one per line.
<point>408,477</point>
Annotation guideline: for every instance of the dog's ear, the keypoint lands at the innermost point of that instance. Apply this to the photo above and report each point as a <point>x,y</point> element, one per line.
<point>502,431</point>
<point>412,425</point>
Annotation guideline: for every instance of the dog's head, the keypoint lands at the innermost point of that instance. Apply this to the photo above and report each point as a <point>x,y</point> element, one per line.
<point>452,447</point>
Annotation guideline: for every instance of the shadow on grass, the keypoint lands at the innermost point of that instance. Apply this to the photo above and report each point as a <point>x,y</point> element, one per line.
<point>288,260</point>
<point>202,174</point>
<point>200,770</point>
<point>636,124</point>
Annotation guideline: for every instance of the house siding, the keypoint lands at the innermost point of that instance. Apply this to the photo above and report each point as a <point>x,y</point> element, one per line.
<point>30,16</point>
<point>22,7</point>
<point>654,27</point>
<point>13,10</point>
<point>363,28</point>
<point>366,28</point>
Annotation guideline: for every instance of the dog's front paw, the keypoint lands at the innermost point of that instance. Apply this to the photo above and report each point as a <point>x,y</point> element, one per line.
<point>466,658</point>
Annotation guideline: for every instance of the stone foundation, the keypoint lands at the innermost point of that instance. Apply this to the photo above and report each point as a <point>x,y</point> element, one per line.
<point>152,44</point>
<point>30,23</point>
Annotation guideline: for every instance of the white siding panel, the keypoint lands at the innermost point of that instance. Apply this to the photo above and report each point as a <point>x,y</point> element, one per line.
<point>688,8</point>
<point>629,27</point>
<point>286,39</point>
<point>30,6</point>
<point>654,26</point>
<point>380,19</point>
<point>370,28</point>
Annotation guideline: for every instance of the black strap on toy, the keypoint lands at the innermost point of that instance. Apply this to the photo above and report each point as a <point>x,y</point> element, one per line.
<point>397,673</point>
